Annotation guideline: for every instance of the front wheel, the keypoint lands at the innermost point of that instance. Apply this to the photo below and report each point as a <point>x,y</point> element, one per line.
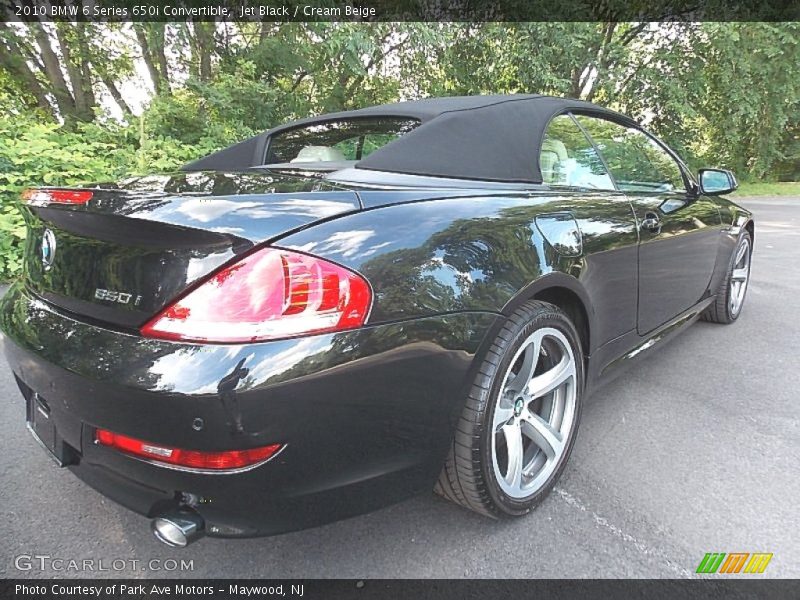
<point>730,296</point>
<point>517,430</point>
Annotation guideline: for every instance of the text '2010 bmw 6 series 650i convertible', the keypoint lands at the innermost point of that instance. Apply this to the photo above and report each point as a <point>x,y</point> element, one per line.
<point>353,308</point>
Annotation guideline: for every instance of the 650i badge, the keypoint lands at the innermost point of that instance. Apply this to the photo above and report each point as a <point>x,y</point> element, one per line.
<point>121,297</point>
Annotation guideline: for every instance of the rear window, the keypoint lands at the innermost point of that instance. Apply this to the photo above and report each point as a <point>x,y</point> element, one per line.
<point>335,141</point>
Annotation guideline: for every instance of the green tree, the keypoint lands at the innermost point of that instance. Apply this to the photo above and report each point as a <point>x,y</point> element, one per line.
<point>722,94</point>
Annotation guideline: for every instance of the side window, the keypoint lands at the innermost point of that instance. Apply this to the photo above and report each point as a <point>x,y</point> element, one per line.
<point>568,157</point>
<point>636,161</point>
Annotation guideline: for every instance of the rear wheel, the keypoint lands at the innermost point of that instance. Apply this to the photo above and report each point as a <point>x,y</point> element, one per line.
<point>519,424</point>
<point>730,296</point>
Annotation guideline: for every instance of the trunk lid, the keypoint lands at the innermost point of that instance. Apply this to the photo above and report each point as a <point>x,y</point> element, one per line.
<point>135,246</point>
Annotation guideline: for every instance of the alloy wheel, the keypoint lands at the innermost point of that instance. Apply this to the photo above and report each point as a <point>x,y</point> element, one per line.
<point>535,413</point>
<point>740,276</point>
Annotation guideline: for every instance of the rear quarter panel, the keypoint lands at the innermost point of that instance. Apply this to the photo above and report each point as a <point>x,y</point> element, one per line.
<point>481,253</point>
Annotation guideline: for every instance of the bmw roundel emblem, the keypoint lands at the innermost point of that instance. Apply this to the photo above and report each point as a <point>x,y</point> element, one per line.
<point>48,248</point>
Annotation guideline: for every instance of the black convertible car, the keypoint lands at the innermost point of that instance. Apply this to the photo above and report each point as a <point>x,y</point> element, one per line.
<point>350,309</point>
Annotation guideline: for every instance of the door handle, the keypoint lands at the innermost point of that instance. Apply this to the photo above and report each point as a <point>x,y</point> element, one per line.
<point>651,222</point>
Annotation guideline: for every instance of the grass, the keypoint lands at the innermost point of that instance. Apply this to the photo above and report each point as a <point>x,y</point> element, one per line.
<point>789,188</point>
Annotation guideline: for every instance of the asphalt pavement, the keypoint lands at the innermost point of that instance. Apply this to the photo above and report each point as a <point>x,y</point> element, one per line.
<point>696,450</point>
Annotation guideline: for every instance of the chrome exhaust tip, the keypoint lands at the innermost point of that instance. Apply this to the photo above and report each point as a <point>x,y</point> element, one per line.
<point>178,529</point>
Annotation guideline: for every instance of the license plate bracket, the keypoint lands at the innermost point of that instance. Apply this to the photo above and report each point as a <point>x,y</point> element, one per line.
<point>43,429</point>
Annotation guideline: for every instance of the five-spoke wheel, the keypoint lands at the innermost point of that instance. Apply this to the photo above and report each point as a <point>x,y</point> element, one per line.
<point>740,275</point>
<point>535,412</point>
<point>729,299</point>
<point>518,427</point>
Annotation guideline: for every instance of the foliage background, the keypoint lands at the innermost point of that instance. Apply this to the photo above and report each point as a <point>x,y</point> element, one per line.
<point>722,94</point>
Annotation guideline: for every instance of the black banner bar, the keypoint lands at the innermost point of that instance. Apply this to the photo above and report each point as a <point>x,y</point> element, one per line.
<point>130,589</point>
<point>399,10</point>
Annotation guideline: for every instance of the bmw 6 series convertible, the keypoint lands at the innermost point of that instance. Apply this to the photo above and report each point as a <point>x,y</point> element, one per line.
<point>354,308</point>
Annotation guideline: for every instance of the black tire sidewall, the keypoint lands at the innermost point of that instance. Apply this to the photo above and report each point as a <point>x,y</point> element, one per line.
<point>557,320</point>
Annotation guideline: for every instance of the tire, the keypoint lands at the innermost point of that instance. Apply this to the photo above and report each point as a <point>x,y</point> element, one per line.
<point>729,299</point>
<point>479,472</point>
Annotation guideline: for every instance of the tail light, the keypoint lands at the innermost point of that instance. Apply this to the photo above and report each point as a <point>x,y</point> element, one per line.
<point>190,459</point>
<point>44,197</point>
<point>270,294</point>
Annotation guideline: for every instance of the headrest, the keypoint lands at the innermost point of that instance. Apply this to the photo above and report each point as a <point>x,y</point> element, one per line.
<point>318,154</point>
<point>556,146</point>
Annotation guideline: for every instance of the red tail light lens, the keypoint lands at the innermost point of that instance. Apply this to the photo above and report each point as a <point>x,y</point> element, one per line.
<point>270,294</point>
<point>191,459</point>
<point>45,197</point>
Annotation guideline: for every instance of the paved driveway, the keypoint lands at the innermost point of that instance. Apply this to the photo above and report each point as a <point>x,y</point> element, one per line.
<point>696,450</point>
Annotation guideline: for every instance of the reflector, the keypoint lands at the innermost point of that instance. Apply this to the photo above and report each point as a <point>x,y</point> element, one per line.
<point>192,459</point>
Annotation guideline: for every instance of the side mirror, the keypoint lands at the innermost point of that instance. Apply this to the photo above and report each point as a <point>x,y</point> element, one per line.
<point>714,182</point>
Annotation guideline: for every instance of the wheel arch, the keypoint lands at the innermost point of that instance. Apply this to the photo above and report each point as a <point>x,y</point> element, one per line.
<point>566,293</point>
<point>750,226</point>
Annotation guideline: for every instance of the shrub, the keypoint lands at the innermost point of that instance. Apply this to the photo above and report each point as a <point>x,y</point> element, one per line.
<point>35,153</point>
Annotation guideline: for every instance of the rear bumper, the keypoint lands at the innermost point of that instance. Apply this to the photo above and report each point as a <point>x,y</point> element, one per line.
<point>366,415</point>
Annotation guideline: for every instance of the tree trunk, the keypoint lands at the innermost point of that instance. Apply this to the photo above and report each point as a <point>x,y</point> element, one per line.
<point>144,45</point>
<point>116,95</point>
<point>575,82</point>
<point>204,36</point>
<point>12,59</point>
<point>73,71</point>
<point>52,69</point>
<point>87,81</point>
<point>159,32</point>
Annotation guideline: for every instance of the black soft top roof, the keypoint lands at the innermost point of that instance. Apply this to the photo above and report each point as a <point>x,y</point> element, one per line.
<point>495,138</point>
